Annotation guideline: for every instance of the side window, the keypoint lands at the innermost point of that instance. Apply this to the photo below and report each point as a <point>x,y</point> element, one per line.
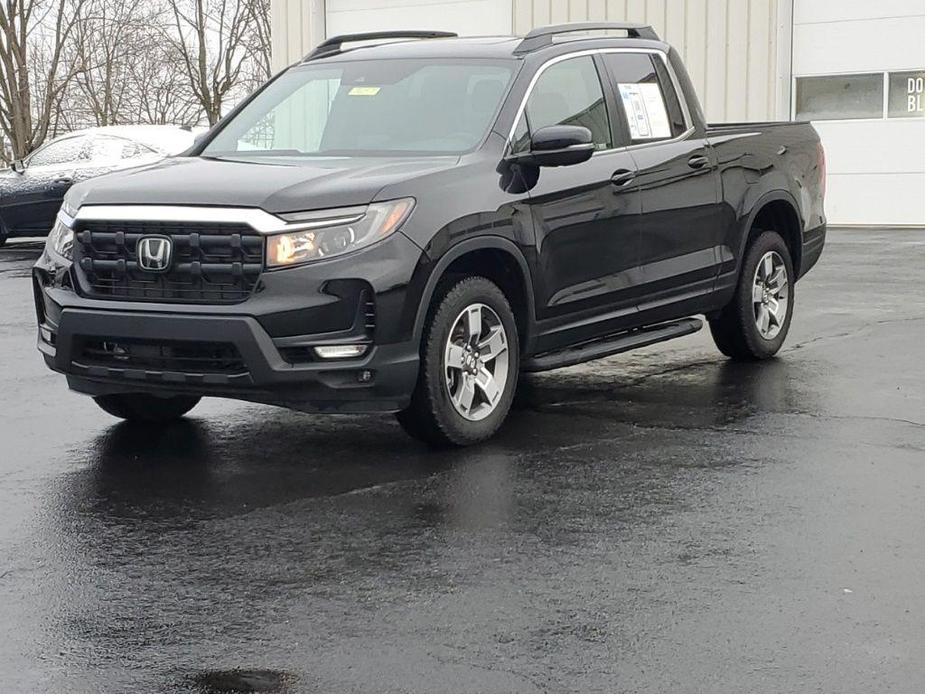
<point>104,149</point>
<point>521,136</point>
<point>647,95</point>
<point>60,152</point>
<point>570,93</point>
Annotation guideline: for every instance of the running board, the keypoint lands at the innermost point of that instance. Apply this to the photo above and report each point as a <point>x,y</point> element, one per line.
<point>613,344</point>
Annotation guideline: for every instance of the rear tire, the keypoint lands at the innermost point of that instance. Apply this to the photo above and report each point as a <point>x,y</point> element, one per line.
<point>139,407</point>
<point>755,323</point>
<point>470,360</point>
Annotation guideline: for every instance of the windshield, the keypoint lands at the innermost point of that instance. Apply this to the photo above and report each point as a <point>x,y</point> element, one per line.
<point>370,108</point>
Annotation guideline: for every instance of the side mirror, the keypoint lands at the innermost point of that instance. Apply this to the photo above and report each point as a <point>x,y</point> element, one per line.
<point>19,166</point>
<point>558,145</point>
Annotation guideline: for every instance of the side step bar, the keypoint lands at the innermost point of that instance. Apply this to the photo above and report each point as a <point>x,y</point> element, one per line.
<point>614,344</point>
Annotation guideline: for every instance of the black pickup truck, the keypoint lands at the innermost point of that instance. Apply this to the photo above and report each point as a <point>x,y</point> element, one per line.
<point>406,226</point>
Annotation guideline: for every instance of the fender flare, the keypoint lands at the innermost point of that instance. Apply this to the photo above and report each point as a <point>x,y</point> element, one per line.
<point>769,197</point>
<point>460,249</point>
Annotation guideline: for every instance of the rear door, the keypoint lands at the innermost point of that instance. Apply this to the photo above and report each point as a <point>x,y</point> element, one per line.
<point>584,215</point>
<point>681,225</point>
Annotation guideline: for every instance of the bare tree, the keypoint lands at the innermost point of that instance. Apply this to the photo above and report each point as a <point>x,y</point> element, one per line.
<point>212,38</point>
<point>33,72</point>
<point>131,74</point>
<point>161,92</point>
<point>107,39</point>
<point>259,46</point>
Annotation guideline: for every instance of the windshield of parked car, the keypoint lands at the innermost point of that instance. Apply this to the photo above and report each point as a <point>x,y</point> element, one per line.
<point>370,108</point>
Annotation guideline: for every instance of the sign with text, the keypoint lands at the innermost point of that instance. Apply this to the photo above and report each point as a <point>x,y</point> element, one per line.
<point>907,94</point>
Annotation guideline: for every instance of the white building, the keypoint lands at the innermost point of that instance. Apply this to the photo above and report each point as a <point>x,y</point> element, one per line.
<point>854,67</point>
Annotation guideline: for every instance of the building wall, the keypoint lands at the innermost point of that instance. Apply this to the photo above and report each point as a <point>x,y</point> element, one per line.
<point>876,167</point>
<point>295,27</point>
<point>737,51</point>
<point>462,16</point>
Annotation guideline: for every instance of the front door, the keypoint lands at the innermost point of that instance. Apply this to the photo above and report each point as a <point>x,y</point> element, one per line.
<point>584,215</point>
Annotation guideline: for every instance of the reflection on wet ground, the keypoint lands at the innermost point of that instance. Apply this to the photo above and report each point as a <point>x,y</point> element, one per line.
<point>660,521</point>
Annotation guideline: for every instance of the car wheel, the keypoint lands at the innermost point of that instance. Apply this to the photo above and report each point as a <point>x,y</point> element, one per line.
<point>755,323</point>
<point>470,361</point>
<point>139,407</point>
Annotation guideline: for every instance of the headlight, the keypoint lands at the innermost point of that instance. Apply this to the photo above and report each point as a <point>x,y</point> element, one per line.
<point>69,210</point>
<point>339,233</point>
<point>61,239</point>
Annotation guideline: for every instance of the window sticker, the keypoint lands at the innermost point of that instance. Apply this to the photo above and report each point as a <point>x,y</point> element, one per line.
<point>364,91</point>
<point>645,111</point>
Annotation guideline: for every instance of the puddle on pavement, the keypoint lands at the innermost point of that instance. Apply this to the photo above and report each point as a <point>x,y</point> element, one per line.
<point>243,682</point>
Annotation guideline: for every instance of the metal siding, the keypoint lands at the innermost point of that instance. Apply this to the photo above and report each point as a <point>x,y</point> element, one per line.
<point>730,47</point>
<point>296,26</point>
<point>734,49</point>
<point>466,17</point>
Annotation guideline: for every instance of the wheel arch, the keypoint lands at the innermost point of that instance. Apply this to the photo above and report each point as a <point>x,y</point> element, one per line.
<point>497,259</point>
<point>776,211</point>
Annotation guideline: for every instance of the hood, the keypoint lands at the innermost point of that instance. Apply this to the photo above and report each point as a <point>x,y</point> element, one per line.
<point>273,184</point>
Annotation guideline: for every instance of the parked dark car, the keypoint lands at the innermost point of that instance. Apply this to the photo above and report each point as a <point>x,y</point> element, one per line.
<point>31,191</point>
<point>405,227</point>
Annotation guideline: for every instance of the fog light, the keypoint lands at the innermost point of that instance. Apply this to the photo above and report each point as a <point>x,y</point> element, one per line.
<point>47,335</point>
<point>341,351</point>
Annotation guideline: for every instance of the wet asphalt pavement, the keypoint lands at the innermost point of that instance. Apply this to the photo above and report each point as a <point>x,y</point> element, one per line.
<point>663,521</point>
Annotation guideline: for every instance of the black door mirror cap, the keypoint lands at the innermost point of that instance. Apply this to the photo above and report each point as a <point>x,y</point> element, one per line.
<point>557,145</point>
<point>18,166</point>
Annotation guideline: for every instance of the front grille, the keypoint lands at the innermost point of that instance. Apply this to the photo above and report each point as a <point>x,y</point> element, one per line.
<point>212,263</point>
<point>160,355</point>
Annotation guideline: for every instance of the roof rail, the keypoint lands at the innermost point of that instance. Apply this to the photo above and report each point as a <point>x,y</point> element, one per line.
<point>543,36</point>
<point>333,44</point>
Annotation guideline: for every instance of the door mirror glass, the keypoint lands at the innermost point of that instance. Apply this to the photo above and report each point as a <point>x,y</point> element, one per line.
<point>558,145</point>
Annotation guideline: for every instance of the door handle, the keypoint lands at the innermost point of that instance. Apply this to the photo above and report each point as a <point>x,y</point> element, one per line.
<point>698,162</point>
<point>622,177</point>
<point>62,180</point>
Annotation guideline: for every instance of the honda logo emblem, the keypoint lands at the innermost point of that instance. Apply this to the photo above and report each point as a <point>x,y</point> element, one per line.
<point>154,253</point>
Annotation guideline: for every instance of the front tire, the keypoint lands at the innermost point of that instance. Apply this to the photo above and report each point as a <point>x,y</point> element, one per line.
<point>755,323</point>
<point>139,407</point>
<point>470,361</point>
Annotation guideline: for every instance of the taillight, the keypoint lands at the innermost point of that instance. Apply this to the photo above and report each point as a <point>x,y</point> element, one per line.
<point>820,167</point>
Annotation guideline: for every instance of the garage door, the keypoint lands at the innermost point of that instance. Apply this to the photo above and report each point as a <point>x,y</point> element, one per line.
<point>868,105</point>
<point>465,17</point>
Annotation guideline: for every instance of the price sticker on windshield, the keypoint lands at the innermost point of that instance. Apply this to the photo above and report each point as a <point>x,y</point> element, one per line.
<point>364,91</point>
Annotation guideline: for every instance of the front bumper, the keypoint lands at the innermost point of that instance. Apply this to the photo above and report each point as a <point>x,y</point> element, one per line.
<point>271,336</point>
<point>381,381</point>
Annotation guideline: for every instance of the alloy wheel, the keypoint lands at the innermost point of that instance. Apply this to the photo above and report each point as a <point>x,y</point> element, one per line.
<point>476,362</point>
<point>770,295</point>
